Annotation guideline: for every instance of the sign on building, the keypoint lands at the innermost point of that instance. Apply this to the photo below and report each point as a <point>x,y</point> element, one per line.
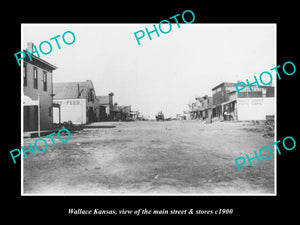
<point>71,110</point>
<point>255,108</point>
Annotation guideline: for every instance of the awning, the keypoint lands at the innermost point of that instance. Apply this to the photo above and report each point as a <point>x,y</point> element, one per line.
<point>225,103</point>
<point>206,108</point>
<point>27,101</point>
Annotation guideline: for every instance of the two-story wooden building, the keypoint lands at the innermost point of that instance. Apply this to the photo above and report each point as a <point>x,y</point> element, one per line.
<point>205,106</point>
<point>254,104</point>
<point>37,93</point>
<point>220,94</point>
<point>105,107</point>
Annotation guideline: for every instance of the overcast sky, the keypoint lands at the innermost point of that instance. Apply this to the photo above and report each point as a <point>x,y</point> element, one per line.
<point>165,73</point>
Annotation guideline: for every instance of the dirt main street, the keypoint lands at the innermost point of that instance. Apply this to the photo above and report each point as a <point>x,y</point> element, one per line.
<point>148,157</point>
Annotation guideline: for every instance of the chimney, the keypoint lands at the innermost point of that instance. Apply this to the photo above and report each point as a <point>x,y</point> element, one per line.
<point>110,99</point>
<point>78,89</point>
<point>30,46</point>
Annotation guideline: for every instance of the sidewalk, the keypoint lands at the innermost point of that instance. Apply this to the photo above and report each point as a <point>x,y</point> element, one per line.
<point>100,125</point>
<point>31,134</point>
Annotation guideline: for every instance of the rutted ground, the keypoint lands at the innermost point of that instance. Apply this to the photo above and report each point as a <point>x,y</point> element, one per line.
<point>171,157</point>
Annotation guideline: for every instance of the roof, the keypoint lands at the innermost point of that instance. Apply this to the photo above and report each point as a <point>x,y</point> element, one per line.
<point>122,108</point>
<point>225,84</point>
<point>69,90</point>
<point>37,61</point>
<point>203,97</point>
<point>103,100</point>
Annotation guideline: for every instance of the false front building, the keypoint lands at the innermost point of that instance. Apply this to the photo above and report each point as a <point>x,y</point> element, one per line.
<point>220,94</point>
<point>205,107</point>
<point>77,102</point>
<point>254,104</point>
<point>105,107</point>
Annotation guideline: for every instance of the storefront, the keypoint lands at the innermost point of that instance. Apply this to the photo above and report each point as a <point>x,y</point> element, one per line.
<point>255,108</point>
<point>73,110</point>
<point>229,110</point>
<point>217,111</point>
<point>31,114</point>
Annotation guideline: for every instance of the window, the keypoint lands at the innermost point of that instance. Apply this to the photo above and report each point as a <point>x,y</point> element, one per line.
<point>90,96</point>
<point>35,78</point>
<point>45,80</point>
<point>50,111</point>
<point>24,74</point>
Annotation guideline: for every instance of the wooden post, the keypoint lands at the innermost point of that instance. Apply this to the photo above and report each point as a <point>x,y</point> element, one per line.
<point>59,116</point>
<point>39,119</point>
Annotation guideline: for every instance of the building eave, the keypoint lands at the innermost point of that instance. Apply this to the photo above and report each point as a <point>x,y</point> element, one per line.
<point>49,65</point>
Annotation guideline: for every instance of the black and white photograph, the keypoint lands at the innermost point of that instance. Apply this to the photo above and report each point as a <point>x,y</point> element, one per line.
<point>131,109</point>
<point>138,112</point>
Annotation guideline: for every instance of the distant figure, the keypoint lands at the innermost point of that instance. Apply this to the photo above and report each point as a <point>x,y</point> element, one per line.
<point>160,116</point>
<point>225,115</point>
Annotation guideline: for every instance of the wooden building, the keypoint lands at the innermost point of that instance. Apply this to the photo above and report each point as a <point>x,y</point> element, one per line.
<point>220,94</point>
<point>250,105</point>
<point>37,93</point>
<point>77,102</point>
<point>105,107</point>
<point>205,107</point>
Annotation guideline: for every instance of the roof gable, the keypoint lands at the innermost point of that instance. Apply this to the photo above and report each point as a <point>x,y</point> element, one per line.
<point>103,100</point>
<point>68,90</point>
